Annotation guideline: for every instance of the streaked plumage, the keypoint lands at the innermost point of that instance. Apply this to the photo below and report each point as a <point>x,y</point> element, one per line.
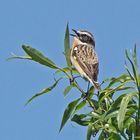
<point>84,57</point>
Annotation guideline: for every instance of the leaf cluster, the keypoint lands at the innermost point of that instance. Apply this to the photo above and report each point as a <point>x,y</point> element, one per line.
<point>112,118</point>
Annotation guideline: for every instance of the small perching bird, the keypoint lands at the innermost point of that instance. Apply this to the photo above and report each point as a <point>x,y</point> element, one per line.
<point>83,56</point>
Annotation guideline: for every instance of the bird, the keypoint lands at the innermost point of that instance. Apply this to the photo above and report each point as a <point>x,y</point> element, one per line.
<point>83,56</point>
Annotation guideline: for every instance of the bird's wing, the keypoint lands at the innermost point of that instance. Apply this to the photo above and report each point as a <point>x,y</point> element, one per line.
<point>87,60</point>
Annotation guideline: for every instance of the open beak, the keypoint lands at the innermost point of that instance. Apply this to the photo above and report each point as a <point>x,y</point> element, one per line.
<point>76,34</point>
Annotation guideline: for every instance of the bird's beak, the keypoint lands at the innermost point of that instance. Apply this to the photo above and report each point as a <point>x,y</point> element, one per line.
<point>76,34</point>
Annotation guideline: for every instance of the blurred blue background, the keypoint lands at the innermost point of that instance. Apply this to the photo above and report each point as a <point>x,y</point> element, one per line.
<point>41,24</point>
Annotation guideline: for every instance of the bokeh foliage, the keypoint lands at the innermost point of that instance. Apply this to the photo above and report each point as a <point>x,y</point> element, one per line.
<point>112,119</point>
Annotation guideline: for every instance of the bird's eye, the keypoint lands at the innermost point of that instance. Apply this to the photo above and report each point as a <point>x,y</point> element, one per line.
<point>84,38</point>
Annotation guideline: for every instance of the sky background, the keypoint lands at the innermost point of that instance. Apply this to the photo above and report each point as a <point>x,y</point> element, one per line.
<point>41,24</point>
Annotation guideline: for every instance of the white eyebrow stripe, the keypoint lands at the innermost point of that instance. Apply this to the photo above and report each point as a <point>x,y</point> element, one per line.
<point>85,33</point>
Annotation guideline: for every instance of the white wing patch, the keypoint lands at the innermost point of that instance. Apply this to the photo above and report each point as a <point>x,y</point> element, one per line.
<point>75,48</point>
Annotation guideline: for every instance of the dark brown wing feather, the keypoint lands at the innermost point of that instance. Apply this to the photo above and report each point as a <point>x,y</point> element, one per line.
<point>87,59</point>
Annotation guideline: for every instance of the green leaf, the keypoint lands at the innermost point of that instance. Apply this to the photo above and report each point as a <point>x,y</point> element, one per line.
<point>117,102</point>
<point>137,137</point>
<point>67,113</point>
<point>123,109</point>
<point>130,128</point>
<point>110,128</point>
<point>111,114</point>
<point>134,56</point>
<point>19,57</point>
<point>95,103</point>
<point>114,80</point>
<point>90,92</point>
<point>96,115</point>
<point>46,90</point>
<point>39,57</point>
<point>129,72</point>
<point>89,132</point>
<point>133,66</point>
<point>67,90</point>
<point>114,136</point>
<point>101,137</point>
<point>128,123</point>
<point>105,93</point>
<point>80,119</point>
<point>80,106</point>
<point>130,111</point>
<point>66,69</point>
<point>67,46</point>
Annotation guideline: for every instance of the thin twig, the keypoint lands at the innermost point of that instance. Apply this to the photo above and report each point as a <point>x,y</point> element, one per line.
<point>84,94</point>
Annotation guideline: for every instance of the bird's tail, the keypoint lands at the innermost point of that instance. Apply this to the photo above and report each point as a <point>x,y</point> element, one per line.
<point>96,85</point>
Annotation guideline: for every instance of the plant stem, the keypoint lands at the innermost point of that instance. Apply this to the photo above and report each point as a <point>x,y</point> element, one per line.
<point>65,73</point>
<point>84,94</point>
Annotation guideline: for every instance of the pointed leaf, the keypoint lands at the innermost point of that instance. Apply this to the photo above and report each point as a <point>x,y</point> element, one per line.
<point>137,137</point>
<point>95,103</point>
<point>110,128</point>
<point>129,72</point>
<point>90,92</point>
<point>128,123</point>
<point>67,90</point>
<point>66,69</point>
<point>19,57</point>
<point>114,136</point>
<point>80,119</point>
<point>123,108</point>
<point>117,102</point>
<point>80,106</point>
<point>67,113</point>
<point>96,115</point>
<point>111,114</point>
<point>133,67</point>
<point>105,93</point>
<point>115,80</point>
<point>46,90</point>
<point>131,128</point>
<point>134,57</point>
<point>101,137</point>
<point>89,132</point>
<point>67,46</point>
<point>39,57</point>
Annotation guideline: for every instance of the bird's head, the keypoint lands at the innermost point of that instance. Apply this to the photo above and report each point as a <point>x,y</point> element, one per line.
<point>84,36</point>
